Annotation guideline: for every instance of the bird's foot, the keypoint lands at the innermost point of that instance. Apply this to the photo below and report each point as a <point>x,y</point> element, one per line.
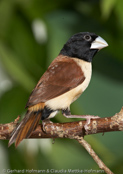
<point>87,117</point>
<point>44,122</point>
<point>88,120</point>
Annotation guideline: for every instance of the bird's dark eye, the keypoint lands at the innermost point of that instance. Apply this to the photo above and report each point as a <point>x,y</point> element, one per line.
<point>87,37</point>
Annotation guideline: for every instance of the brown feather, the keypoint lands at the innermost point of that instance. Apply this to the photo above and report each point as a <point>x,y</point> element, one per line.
<point>36,107</point>
<point>25,127</point>
<point>62,75</point>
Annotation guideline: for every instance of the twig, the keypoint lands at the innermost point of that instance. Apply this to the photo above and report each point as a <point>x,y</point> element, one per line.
<point>87,146</point>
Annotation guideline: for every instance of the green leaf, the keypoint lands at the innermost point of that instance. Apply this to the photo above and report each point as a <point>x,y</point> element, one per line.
<point>119,12</point>
<point>15,68</point>
<point>106,7</point>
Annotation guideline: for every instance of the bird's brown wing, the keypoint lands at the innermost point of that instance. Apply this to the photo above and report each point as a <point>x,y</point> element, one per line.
<point>62,75</point>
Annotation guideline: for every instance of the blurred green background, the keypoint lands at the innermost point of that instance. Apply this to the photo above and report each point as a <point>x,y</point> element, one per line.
<point>32,32</point>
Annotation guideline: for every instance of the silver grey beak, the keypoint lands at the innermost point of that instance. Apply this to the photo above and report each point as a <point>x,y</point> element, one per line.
<point>99,43</point>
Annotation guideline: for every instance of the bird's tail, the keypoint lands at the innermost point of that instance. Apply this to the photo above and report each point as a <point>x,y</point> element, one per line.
<point>25,127</point>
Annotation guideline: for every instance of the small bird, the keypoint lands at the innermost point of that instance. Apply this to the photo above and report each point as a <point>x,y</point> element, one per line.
<point>63,82</point>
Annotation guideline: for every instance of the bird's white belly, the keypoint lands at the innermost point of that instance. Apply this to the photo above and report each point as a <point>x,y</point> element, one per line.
<point>63,101</point>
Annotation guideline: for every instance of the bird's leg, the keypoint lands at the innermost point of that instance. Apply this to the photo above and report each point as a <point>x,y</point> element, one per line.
<point>88,118</point>
<point>66,112</point>
<point>44,122</point>
<point>46,115</point>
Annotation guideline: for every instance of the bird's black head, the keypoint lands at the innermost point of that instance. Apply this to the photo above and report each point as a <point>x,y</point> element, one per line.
<point>83,45</point>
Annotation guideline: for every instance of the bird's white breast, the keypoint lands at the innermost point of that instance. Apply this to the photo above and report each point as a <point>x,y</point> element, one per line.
<point>87,70</point>
<point>63,101</point>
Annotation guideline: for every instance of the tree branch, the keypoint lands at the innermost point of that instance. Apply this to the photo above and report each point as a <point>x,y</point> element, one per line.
<point>93,154</point>
<point>72,130</point>
<point>69,129</point>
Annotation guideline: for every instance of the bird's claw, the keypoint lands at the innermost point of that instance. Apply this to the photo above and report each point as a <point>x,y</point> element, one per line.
<point>88,120</point>
<point>44,122</point>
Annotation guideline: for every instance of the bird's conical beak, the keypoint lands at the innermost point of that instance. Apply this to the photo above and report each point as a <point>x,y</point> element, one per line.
<point>99,43</point>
